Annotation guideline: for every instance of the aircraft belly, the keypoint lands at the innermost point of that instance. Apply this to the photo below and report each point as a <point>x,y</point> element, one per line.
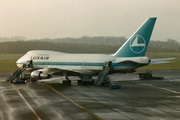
<point>123,67</point>
<point>89,71</point>
<point>92,67</point>
<point>83,70</point>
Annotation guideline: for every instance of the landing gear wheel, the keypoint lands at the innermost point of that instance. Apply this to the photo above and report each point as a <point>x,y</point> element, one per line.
<point>66,82</point>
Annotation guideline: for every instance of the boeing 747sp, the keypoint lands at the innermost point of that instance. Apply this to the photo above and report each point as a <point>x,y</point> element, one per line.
<point>130,56</point>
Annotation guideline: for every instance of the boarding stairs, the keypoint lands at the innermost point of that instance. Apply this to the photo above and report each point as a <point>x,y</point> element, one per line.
<point>18,72</point>
<point>103,74</point>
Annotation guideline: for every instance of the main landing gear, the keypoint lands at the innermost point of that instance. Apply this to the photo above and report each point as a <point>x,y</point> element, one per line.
<point>67,81</point>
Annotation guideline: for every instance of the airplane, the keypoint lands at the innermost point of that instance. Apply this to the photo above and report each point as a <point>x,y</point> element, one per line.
<point>130,56</point>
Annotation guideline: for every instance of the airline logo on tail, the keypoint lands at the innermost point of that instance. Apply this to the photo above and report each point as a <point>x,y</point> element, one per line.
<point>137,44</point>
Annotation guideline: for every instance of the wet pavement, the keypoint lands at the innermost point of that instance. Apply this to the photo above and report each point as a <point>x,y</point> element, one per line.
<point>137,99</point>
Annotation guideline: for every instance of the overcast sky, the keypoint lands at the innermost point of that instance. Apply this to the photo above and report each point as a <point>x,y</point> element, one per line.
<point>36,19</point>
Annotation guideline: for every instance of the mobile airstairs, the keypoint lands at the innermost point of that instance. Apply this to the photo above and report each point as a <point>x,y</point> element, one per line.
<point>102,77</point>
<point>19,71</point>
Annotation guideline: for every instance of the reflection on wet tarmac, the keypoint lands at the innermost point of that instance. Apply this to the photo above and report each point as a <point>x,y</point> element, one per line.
<point>137,99</point>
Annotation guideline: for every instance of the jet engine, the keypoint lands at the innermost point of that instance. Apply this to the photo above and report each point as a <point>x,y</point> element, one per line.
<point>36,75</point>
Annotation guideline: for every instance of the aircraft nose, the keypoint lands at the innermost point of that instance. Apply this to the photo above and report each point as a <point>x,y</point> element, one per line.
<point>20,61</point>
<point>17,61</point>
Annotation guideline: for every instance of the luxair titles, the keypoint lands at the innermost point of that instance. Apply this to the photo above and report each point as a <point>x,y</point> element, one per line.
<point>39,57</point>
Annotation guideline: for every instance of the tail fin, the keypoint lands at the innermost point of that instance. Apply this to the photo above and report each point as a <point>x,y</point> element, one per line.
<point>137,44</point>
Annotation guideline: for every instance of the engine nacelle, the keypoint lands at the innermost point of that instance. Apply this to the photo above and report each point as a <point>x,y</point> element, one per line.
<point>36,75</point>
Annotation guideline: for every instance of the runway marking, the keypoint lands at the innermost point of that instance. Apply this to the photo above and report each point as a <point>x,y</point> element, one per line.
<point>169,90</point>
<point>97,117</point>
<point>94,106</point>
<point>27,103</point>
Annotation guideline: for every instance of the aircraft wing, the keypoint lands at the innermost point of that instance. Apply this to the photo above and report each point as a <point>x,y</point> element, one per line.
<point>56,69</point>
<point>159,61</point>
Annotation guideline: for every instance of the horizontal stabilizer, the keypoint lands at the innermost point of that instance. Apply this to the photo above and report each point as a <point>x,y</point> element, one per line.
<point>159,61</point>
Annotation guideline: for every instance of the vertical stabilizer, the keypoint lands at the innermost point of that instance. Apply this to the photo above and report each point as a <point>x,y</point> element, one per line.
<point>137,44</point>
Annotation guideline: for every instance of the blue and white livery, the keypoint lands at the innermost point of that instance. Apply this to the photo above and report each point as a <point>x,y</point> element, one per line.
<point>129,57</point>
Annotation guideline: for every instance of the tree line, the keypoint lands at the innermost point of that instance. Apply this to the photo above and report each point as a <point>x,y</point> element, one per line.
<point>12,47</point>
<point>24,46</point>
<point>97,40</point>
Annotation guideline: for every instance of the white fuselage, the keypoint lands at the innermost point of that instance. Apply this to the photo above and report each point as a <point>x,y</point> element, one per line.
<point>86,64</point>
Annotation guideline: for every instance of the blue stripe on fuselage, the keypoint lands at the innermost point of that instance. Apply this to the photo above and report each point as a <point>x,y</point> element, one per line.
<point>85,64</point>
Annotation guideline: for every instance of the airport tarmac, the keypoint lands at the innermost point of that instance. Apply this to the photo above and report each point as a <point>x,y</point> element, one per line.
<point>137,99</point>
